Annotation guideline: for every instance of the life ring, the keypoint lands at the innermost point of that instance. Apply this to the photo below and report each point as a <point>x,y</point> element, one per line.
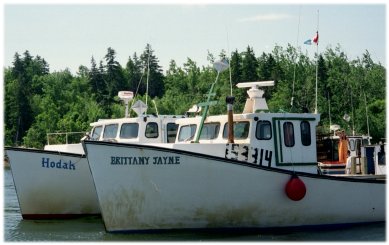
<point>295,188</point>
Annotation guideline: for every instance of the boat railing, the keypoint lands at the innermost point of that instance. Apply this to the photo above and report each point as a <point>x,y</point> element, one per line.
<point>58,137</point>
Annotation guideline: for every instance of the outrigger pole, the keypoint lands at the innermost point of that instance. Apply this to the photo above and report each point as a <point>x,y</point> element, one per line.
<point>219,67</point>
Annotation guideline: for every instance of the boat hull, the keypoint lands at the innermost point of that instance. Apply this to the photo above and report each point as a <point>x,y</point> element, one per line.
<point>175,189</point>
<point>52,185</point>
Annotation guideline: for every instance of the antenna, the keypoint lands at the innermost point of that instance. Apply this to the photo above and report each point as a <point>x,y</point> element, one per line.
<point>317,58</point>
<point>367,120</point>
<point>148,75</point>
<point>294,68</point>
<point>228,51</point>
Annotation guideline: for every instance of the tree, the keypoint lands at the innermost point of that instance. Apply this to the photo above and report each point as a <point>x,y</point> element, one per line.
<point>249,66</point>
<point>97,83</point>
<point>154,71</point>
<point>135,75</point>
<point>114,77</point>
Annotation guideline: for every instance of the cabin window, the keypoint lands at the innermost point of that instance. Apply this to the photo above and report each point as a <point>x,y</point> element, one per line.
<point>263,130</point>
<point>96,132</point>
<point>241,130</point>
<point>352,144</point>
<point>171,129</point>
<point>110,131</point>
<point>187,132</point>
<point>210,131</point>
<point>151,130</point>
<point>288,134</point>
<point>305,129</point>
<point>129,131</point>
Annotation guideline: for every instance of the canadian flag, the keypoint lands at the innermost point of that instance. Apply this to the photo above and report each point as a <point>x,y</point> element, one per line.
<point>316,38</point>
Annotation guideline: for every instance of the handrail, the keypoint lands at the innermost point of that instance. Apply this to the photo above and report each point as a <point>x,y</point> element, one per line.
<point>62,133</point>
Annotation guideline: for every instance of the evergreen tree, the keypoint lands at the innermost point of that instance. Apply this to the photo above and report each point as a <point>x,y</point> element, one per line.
<point>135,76</point>
<point>249,66</point>
<point>114,77</point>
<point>154,72</point>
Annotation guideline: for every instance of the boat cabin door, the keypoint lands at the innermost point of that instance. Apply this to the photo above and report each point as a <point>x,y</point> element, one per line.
<point>294,141</point>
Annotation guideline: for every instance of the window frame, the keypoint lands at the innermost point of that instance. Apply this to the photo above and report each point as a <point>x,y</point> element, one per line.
<point>110,125</point>
<point>98,134</point>
<point>127,124</point>
<point>307,135</point>
<point>225,130</point>
<point>191,126</point>
<point>154,124</point>
<point>169,130</point>
<point>289,138</point>
<point>258,130</point>
<point>217,129</point>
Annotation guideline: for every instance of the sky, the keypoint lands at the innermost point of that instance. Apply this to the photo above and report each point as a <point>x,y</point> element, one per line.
<point>68,35</point>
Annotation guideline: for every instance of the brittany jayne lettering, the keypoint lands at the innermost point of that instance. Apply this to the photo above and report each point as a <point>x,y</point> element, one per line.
<point>144,160</point>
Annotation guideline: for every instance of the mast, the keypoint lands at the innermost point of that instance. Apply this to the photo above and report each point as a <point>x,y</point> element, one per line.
<point>352,111</point>
<point>294,68</point>
<point>148,75</point>
<point>317,58</point>
<point>367,120</point>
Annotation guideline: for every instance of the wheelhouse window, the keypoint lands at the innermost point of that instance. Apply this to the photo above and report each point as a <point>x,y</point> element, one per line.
<point>352,144</point>
<point>151,130</point>
<point>210,131</point>
<point>110,131</point>
<point>241,130</point>
<point>96,132</point>
<point>263,131</point>
<point>305,129</point>
<point>187,132</point>
<point>129,131</point>
<point>171,129</point>
<point>288,134</point>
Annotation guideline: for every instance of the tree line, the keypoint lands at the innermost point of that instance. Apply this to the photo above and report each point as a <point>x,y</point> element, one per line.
<point>38,101</point>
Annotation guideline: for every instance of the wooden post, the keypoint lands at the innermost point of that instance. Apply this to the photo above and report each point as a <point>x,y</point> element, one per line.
<point>230,113</point>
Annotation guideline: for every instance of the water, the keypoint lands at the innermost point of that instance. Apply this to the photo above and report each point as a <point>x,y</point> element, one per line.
<point>92,229</point>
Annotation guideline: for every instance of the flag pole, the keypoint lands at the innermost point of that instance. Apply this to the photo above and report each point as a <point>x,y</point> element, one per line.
<point>317,58</point>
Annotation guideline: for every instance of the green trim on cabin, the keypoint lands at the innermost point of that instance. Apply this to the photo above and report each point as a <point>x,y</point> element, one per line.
<point>278,151</point>
<point>280,140</point>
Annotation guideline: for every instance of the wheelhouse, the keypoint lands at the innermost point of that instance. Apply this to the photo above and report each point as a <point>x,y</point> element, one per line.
<point>145,129</point>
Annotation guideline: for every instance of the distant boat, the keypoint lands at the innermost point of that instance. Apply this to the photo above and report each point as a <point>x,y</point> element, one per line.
<point>266,177</point>
<point>366,158</point>
<point>56,182</point>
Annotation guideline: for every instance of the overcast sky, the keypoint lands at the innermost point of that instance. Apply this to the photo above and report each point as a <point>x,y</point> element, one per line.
<point>67,36</point>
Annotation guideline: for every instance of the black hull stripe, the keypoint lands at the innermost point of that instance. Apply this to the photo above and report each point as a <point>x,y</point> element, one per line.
<point>45,152</point>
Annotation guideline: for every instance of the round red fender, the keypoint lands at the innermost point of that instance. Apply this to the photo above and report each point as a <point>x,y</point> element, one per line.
<point>295,188</point>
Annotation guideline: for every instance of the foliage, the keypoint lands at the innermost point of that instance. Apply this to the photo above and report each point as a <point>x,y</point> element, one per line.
<point>38,102</point>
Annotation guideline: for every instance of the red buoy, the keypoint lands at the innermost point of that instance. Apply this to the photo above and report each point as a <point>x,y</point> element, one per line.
<point>295,188</point>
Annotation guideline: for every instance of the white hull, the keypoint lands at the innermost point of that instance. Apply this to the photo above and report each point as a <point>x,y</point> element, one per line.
<point>52,184</point>
<point>173,189</point>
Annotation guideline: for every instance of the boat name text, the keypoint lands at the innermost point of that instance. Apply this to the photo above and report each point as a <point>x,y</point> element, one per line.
<point>248,154</point>
<point>46,163</point>
<point>144,160</point>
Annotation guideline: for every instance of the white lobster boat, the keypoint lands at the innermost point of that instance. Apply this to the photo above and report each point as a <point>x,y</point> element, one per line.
<point>56,182</point>
<point>265,177</point>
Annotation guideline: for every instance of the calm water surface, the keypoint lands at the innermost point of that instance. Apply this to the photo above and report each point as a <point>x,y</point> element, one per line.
<point>92,229</point>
